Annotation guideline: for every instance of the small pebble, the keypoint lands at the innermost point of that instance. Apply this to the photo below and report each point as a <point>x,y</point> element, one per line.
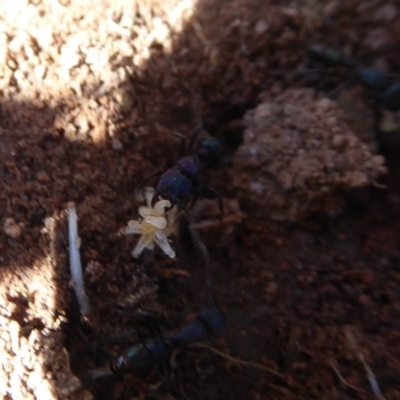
<point>116,144</point>
<point>11,228</point>
<point>42,177</point>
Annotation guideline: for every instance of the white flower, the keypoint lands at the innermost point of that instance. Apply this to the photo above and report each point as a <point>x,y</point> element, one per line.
<point>155,226</point>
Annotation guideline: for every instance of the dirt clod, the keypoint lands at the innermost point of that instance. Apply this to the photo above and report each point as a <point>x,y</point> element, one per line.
<point>298,153</point>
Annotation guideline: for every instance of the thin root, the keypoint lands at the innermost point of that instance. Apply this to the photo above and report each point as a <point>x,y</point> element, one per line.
<point>342,379</point>
<point>75,262</point>
<point>237,361</point>
<point>372,379</point>
<point>351,341</point>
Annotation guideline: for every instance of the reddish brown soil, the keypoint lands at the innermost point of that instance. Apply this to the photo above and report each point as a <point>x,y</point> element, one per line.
<point>308,299</point>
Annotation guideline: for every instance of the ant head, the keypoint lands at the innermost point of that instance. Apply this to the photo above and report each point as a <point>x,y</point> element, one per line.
<point>372,79</point>
<point>209,150</point>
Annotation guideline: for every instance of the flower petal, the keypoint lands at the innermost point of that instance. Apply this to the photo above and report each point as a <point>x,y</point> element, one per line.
<point>163,242</point>
<point>160,206</point>
<point>145,211</point>
<point>133,223</point>
<point>133,228</point>
<point>143,243</point>
<point>149,194</point>
<point>157,222</point>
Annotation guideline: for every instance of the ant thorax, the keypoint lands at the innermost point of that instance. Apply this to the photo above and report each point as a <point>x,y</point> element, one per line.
<point>190,166</point>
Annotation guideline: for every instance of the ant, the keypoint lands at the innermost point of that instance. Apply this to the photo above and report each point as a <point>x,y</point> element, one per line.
<point>178,182</point>
<point>182,183</point>
<point>184,179</point>
<point>385,90</point>
<point>140,358</point>
<point>157,351</point>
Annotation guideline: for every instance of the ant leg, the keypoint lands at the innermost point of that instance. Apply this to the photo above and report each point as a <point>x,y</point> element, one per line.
<point>194,136</point>
<point>321,73</point>
<point>181,137</point>
<point>201,189</point>
<point>219,197</point>
<point>167,376</point>
<point>182,144</point>
<point>336,91</point>
<point>151,176</point>
<point>154,322</point>
<point>151,319</point>
<point>99,346</point>
<point>198,112</point>
<point>198,192</point>
<point>129,336</point>
<point>202,250</point>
